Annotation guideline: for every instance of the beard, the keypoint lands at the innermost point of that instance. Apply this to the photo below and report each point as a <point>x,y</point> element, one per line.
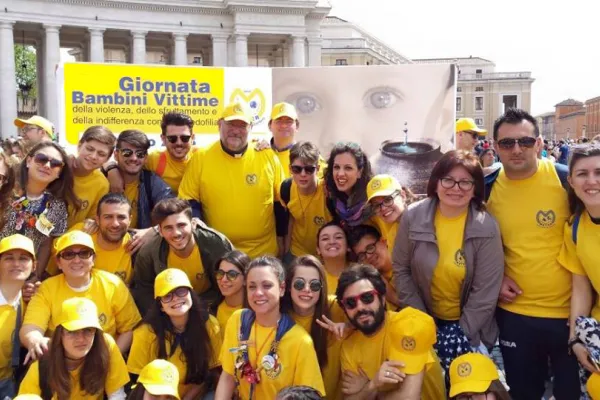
<point>369,328</point>
<point>113,238</point>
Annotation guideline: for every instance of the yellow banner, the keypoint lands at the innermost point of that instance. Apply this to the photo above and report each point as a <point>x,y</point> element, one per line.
<point>124,97</point>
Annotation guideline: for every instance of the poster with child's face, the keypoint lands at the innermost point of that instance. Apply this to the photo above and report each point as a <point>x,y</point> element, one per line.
<point>401,115</point>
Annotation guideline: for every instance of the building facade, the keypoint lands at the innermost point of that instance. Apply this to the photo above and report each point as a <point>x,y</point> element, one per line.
<point>546,125</point>
<point>592,117</point>
<point>569,119</point>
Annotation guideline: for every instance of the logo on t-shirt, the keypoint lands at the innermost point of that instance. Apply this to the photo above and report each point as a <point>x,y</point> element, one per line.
<point>102,319</point>
<point>459,258</point>
<point>85,204</point>
<point>408,343</point>
<point>251,179</point>
<point>319,221</point>
<point>545,219</point>
<point>464,369</point>
<point>120,274</point>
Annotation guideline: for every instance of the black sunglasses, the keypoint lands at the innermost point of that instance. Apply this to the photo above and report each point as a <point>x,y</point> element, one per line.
<point>184,138</point>
<point>179,292</point>
<point>138,153</point>
<point>231,274</point>
<point>43,160</point>
<point>82,254</point>
<point>527,142</point>
<point>315,285</point>
<point>350,303</point>
<point>297,169</point>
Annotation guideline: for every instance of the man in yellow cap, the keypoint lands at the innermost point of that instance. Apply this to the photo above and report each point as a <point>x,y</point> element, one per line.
<point>235,186</point>
<point>283,125</point>
<point>400,360</point>
<point>468,134</point>
<point>475,374</point>
<point>35,130</point>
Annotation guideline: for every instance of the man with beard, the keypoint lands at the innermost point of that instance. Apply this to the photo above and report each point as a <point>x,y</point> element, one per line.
<point>192,249</point>
<point>236,186</point>
<point>389,352</point>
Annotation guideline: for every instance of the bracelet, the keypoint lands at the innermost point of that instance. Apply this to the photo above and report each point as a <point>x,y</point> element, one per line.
<point>572,342</point>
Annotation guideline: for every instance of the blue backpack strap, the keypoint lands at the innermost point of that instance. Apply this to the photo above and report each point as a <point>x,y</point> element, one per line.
<point>575,226</point>
<point>488,181</point>
<point>563,172</point>
<point>248,318</point>
<point>285,324</point>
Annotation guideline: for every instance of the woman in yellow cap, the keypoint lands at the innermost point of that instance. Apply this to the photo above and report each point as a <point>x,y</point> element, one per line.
<point>178,328</point>
<point>82,362</point>
<point>263,349</point>
<point>158,380</point>
<point>118,313</point>
<point>17,260</point>
<point>474,376</point>
<point>229,274</point>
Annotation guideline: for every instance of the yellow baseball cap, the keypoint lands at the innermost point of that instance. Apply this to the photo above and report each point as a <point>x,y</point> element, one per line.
<point>169,279</point>
<point>37,121</point>
<point>78,313</point>
<point>27,397</point>
<point>16,241</point>
<point>284,110</point>
<point>468,124</point>
<point>237,111</point>
<point>74,238</point>
<point>593,386</point>
<point>412,334</point>
<point>382,185</point>
<point>160,378</point>
<point>471,373</point>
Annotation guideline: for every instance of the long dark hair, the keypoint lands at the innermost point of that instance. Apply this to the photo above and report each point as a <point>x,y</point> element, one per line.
<point>94,370</point>
<point>592,149</point>
<point>498,389</point>
<point>6,191</point>
<point>359,191</point>
<point>194,340</point>
<point>318,334</point>
<point>62,187</point>
<point>240,260</point>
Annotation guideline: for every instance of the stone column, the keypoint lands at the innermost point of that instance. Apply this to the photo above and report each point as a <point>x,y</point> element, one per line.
<point>314,51</point>
<point>96,45</point>
<point>8,83</point>
<point>180,53</point>
<point>231,51</point>
<point>40,60</point>
<point>298,52</point>
<point>52,59</point>
<point>241,50</point>
<point>219,51</point>
<point>138,47</point>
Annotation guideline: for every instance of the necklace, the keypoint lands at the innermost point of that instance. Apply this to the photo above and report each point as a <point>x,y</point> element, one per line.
<point>308,204</point>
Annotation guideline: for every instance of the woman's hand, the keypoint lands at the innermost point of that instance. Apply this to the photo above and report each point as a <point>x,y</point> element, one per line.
<point>337,328</point>
<point>582,354</point>
<point>353,383</point>
<point>37,349</point>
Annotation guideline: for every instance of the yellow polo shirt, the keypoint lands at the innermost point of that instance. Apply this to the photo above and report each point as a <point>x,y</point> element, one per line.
<point>89,189</point>
<point>116,379</point>
<point>531,214</point>
<point>193,268</point>
<point>117,311</point>
<point>237,195</point>
<point>8,321</point>
<point>132,193</point>
<point>224,312</point>
<point>388,231</point>
<point>174,169</point>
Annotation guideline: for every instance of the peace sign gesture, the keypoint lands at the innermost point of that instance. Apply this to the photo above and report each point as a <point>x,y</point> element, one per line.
<point>337,328</point>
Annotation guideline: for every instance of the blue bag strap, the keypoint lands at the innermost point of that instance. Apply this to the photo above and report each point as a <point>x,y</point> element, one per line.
<point>248,318</point>
<point>575,226</point>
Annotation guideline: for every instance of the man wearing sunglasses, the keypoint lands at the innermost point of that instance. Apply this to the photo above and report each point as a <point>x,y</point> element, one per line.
<point>468,134</point>
<point>393,349</point>
<point>34,130</point>
<point>528,199</point>
<point>236,186</point>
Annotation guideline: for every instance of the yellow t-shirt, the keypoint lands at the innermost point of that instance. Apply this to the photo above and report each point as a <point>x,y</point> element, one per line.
<point>353,356</point>
<point>297,357</point>
<point>8,321</point>
<point>582,258</point>
<point>532,213</point>
<point>332,282</point>
<point>132,193</point>
<point>449,273</point>
<point>116,379</point>
<point>388,231</point>
<point>174,169</point>
<point>117,311</point>
<point>224,312</point>
<point>284,160</point>
<point>89,189</point>
<point>193,268</point>
<point>144,349</point>
<point>237,195</point>
<point>309,213</point>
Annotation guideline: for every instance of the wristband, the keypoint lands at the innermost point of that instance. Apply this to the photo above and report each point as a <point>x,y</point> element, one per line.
<point>572,342</point>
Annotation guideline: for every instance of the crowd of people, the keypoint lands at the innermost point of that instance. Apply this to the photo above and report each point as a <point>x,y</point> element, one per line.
<point>266,270</point>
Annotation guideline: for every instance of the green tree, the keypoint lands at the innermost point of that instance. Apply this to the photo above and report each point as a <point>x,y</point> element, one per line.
<point>26,69</point>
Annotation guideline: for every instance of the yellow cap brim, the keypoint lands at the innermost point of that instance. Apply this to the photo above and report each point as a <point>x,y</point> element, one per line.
<point>165,290</point>
<point>470,386</point>
<point>382,193</point>
<point>59,249</point>
<point>414,363</point>
<point>160,390</point>
<point>247,120</point>
<point>81,324</point>
<point>19,123</point>
<point>289,115</point>
<point>17,247</point>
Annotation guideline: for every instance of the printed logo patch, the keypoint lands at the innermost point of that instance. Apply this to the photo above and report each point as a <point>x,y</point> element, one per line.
<point>459,258</point>
<point>168,376</point>
<point>319,221</point>
<point>120,274</point>
<point>545,219</point>
<point>464,369</point>
<point>375,184</point>
<point>251,179</point>
<point>408,343</point>
<point>85,204</point>
<point>102,319</point>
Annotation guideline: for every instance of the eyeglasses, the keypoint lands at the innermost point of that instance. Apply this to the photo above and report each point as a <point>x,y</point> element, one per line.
<point>179,292</point>
<point>370,249</point>
<point>82,254</point>
<point>184,138</point>
<point>297,169</point>
<point>138,153</point>
<point>314,285</point>
<point>350,303</point>
<point>386,202</point>
<point>527,142</point>
<point>231,275</point>
<point>475,135</point>
<point>471,396</point>
<point>86,332</point>
<point>43,160</point>
<point>449,183</point>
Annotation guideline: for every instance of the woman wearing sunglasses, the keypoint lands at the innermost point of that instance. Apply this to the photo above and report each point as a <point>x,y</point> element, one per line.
<point>263,349</point>
<point>230,278</point>
<point>178,328</point>
<point>474,376</point>
<point>307,302</point>
<point>39,211</point>
<point>448,259</point>
<point>82,362</point>
<point>332,247</point>
<point>117,311</point>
